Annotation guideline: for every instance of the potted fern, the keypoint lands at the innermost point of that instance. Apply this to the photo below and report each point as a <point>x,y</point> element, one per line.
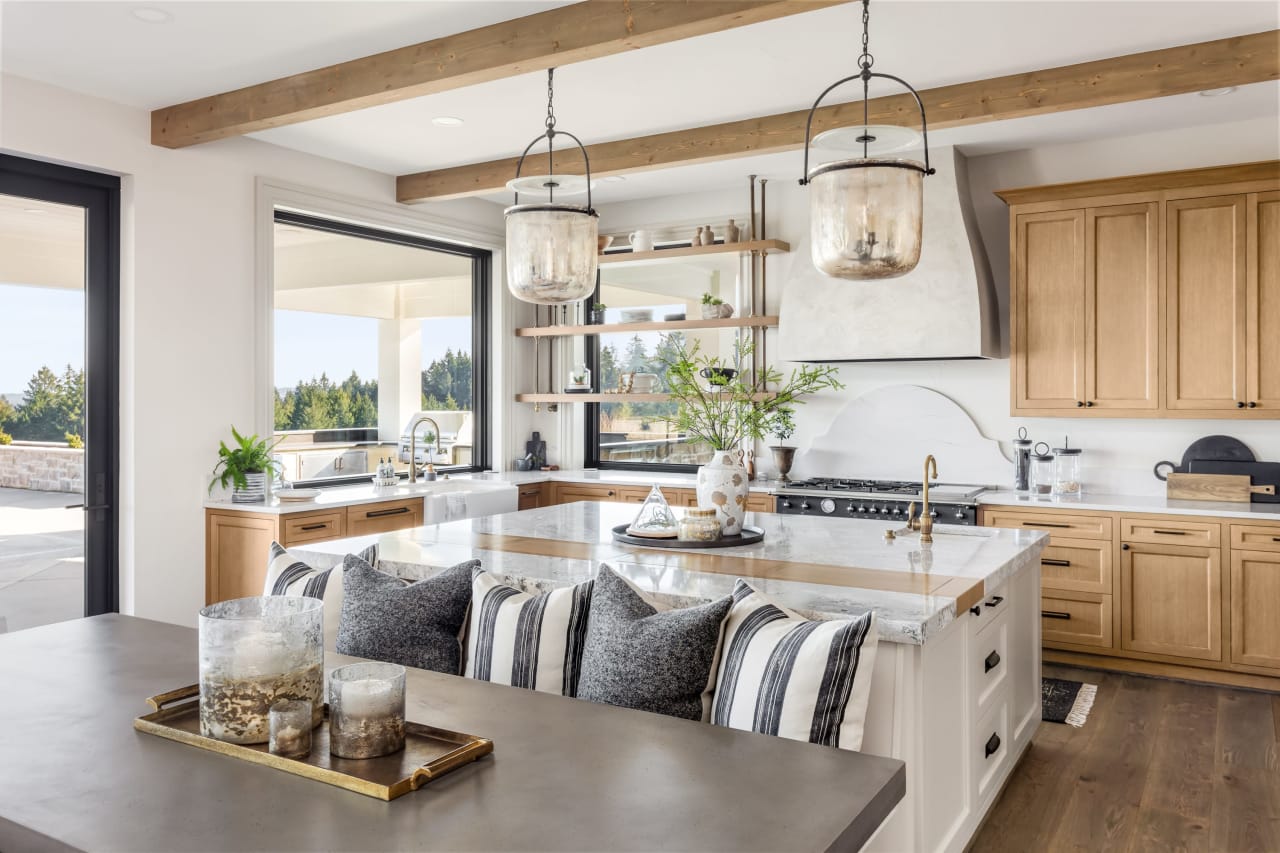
<point>745,407</point>
<point>245,467</point>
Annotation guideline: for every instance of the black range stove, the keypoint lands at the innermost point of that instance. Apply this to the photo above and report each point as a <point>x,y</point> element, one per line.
<point>949,503</point>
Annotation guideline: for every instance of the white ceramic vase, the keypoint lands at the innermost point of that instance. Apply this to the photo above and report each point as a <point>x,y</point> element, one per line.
<point>723,486</point>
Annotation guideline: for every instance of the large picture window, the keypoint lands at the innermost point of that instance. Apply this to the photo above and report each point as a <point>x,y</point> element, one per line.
<point>373,329</point>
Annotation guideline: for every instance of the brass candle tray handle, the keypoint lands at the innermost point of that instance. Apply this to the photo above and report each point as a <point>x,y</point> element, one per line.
<point>428,753</point>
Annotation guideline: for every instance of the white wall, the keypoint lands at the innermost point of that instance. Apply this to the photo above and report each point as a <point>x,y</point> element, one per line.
<point>187,315</point>
<point>1119,453</point>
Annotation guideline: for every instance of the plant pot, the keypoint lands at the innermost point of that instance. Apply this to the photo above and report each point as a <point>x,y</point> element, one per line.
<point>723,486</point>
<point>710,312</point>
<point>255,492</point>
<point>595,317</point>
<point>783,457</point>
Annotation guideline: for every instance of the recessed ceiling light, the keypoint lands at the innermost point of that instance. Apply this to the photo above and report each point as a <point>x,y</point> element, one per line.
<point>1213,93</point>
<point>614,179</point>
<point>152,15</point>
<point>447,121</point>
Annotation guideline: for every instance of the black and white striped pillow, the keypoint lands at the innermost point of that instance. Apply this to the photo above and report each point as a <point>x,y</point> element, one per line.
<point>782,674</point>
<point>287,575</point>
<point>526,640</point>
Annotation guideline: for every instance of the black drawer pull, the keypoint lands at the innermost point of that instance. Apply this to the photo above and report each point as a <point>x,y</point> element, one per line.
<point>975,610</point>
<point>1055,614</point>
<point>993,745</point>
<point>529,494</point>
<point>1063,563</point>
<point>314,526</point>
<point>1045,524</point>
<point>1275,538</point>
<point>609,493</point>
<point>400,510</point>
<point>992,661</point>
<point>1171,532</point>
<point>995,601</point>
<point>1124,547</point>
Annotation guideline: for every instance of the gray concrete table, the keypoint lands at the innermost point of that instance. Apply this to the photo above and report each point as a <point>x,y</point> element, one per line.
<point>565,774</point>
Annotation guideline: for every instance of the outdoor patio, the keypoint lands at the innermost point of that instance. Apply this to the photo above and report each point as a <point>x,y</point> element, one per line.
<point>41,558</point>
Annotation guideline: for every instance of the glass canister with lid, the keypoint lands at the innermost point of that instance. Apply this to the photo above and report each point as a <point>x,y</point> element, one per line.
<point>699,525</point>
<point>1067,482</point>
<point>1042,471</point>
<point>1022,462</point>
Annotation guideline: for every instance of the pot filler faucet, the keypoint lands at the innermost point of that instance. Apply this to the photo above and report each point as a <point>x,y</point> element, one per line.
<point>925,521</point>
<point>413,447</point>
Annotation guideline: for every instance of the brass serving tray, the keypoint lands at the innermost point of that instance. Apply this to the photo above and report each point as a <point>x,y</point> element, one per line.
<point>428,753</point>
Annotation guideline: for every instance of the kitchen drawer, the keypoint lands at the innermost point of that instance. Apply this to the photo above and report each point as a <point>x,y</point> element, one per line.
<point>1051,521</point>
<point>989,662</point>
<point>312,527</point>
<point>637,495</point>
<point>531,496</point>
<point>1159,532</point>
<point>1083,565</point>
<point>1078,618</point>
<point>570,492</point>
<point>384,517</point>
<point>1255,537</point>
<point>990,750</point>
<point>762,502</point>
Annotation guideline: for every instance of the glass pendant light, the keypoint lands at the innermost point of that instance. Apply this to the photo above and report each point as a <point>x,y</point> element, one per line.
<point>866,214</point>
<point>551,247</point>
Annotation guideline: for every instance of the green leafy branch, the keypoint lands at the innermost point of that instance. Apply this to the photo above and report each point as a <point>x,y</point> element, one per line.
<point>251,455</point>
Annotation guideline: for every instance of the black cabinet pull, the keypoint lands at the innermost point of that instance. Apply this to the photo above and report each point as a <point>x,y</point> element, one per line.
<point>400,510</point>
<point>1124,547</point>
<point>1089,404</point>
<point>1045,524</point>
<point>976,610</point>
<point>1252,404</point>
<point>314,526</point>
<point>1079,404</point>
<point>529,494</point>
<point>1170,532</point>
<point>992,661</point>
<point>1275,538</point>
<point>993,744</point>
<point>1239,404</point>
<point>1055,614</point>
<point>1063,563</point>
<point>995,601</point>
<point>610,493</point>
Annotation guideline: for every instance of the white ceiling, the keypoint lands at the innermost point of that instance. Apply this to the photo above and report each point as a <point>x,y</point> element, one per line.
<point>751,71</point>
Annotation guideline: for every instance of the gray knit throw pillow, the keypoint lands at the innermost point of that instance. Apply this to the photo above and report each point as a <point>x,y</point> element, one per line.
<point>639,656</point>
<point>414,624</point>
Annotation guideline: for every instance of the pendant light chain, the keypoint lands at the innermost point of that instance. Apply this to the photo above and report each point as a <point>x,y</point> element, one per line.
<point>865,61</point>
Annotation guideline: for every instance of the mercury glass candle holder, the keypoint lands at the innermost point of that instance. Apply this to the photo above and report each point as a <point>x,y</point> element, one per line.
<point>255,652</point>
<point>291,724</point>
<point>366,710</point>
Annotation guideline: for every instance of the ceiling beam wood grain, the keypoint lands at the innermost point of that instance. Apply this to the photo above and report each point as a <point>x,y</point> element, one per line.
<point>561,36</point>
<point>1235,61</point>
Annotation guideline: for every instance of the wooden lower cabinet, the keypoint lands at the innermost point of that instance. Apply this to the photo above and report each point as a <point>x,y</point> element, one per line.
<point>1076,618</point>
<point>1255,609</point>
<point>1171,600</point>
<point>532,496</point>
<point>384,517</point>
<point>566,492</point>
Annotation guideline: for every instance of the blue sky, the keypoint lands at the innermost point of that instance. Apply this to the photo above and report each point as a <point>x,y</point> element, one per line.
<point>40,326</point>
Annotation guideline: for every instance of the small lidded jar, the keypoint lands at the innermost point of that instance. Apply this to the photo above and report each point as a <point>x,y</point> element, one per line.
<point>699,525</point>
<point>1067,483</point>
<point>1042,471</point>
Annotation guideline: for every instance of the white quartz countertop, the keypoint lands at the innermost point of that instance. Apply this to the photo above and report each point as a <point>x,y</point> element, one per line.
<point>1137,503</point>
<point>821,567</point>
<point>333,497</point>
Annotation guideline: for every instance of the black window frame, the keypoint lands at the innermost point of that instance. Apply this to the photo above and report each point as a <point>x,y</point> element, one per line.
<point>481,278</point>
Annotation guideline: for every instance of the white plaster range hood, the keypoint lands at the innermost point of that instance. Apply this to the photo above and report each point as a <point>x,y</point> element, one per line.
<point>943,309</point>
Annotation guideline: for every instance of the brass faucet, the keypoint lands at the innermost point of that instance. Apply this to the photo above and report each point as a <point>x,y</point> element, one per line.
<point>925,522</point>
<point>413,446</point>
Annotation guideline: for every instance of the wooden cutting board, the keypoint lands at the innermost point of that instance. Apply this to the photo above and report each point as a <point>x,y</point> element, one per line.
<point>1234,488</point>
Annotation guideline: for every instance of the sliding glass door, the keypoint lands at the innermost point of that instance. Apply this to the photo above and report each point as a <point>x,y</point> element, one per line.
<point>59,392</point>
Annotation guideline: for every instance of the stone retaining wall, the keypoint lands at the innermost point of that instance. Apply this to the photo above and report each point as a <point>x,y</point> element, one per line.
<point>45,469</point>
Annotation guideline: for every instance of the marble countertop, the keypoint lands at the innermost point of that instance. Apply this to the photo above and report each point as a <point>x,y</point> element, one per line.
<point>1137,503</point>
<point>820,567</point>
<point>333,497</point>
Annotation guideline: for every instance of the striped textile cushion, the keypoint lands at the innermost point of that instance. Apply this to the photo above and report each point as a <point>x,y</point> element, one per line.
<point>287,575</point>
<point>526,640</point>
<point>782,674</point>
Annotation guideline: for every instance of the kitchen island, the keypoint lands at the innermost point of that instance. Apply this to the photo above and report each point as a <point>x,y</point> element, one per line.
<point>956,684</point>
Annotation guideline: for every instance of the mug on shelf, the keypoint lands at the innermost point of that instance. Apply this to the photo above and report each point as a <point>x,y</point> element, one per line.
<point>641,241</point>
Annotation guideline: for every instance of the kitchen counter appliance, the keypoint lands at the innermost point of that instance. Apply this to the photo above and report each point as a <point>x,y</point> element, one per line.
<point>950,503</point>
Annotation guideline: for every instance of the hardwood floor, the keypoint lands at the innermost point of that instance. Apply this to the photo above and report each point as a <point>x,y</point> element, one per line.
<point>1160,766</point>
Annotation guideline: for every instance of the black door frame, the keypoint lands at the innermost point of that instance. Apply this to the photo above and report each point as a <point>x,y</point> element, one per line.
<point>99,195</point>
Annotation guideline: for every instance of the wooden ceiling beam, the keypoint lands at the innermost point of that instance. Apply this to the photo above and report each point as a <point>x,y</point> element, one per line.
<point>561,36</point>
<point>1178,70</point>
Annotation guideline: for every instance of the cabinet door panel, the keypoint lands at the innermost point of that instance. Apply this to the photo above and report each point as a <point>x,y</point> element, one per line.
<point>384,517</point>
<point>1205,297</point>
<point>1049,299</point>
<point>1171,600</point>
<point>1255,608</point>
<point>1083,565</point>
<point>1264,301</point>
<point>237,546</point>
<point>1121,326</point>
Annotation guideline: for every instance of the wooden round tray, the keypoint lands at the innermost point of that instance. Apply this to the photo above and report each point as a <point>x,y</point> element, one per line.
<point>749,536</point>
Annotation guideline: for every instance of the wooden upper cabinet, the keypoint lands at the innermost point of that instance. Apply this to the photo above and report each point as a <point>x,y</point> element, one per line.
<point>1263,300</point>
<point>1122,301</point>
<point>1205,294</point>
<point>1049,296</point>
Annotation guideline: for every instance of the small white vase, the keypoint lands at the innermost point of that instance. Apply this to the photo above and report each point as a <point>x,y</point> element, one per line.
<point>256,491</point>
<point>723,486</point>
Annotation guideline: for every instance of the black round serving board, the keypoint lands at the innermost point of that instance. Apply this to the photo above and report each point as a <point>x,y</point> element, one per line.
<point>749,536</point>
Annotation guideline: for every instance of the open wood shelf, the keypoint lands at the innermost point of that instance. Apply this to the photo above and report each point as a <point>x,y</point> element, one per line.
<point>651,326</point>
<point>604,398</point>
<point>767,247</point>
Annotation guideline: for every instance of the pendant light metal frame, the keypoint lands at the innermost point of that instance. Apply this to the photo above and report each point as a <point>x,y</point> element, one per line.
<point>549,135</point>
